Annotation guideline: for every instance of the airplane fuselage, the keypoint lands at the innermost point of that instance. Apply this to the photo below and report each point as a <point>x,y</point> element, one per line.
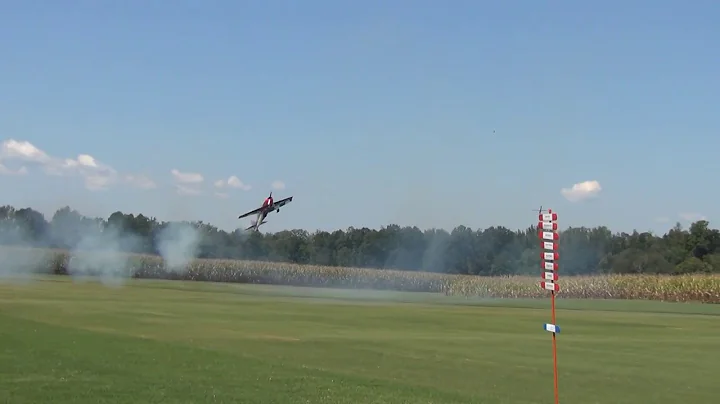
<point>261,217</point>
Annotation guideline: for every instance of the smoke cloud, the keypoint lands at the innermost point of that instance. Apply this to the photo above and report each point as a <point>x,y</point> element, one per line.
<point>103,257</point>
<point>98,250</point>
<point>178,245</point>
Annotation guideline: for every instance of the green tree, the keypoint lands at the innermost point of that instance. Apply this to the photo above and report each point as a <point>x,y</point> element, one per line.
<point>493,251</point>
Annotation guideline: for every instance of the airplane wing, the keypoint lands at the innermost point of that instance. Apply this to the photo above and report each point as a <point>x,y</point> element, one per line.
<point>252,212</point>
<point>281,203</point>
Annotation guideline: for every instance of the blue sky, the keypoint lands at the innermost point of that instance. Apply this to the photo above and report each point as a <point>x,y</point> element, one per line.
<point>419,112</point>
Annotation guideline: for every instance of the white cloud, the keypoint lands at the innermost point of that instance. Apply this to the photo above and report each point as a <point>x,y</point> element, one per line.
<point>140,181</point>
<point>4,170</point>
<point>581,191</point>
<point>20,157</point>
<point>97,182</point>
<point>692,216</point>
<point>232,182</point>
<point>24,151</point>
<point>96,175</point>
<point>187,191</point>
<point>278,185</point>
<point>187,178</point>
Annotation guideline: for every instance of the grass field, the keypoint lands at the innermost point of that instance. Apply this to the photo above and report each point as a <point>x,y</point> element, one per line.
<point>192,342</point>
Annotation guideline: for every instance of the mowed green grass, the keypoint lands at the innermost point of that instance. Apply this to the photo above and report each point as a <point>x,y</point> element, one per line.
<point>191,342</point>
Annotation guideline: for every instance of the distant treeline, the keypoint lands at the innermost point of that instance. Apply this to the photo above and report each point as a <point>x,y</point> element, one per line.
<point>488,252</point>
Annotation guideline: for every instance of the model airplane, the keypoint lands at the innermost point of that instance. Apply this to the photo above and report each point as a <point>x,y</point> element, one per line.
<point>541,210</point>
<point>268,206</point>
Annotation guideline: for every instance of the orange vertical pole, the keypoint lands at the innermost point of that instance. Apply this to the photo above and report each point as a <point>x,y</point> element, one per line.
<point>548,232</point>
<point>554,351</point>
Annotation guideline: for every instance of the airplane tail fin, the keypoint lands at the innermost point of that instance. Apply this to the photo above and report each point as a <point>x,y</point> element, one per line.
<point>255,225</point>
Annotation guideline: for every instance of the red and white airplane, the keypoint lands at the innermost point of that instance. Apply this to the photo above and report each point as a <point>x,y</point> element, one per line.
<point>268,206</point>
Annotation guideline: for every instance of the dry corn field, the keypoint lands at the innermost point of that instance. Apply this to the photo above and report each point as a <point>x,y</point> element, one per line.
<point>685,288</point>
